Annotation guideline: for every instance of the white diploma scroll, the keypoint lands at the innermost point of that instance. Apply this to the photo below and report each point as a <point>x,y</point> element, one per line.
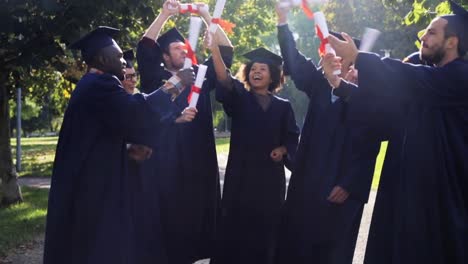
<point>194,33</point>
<point>321,23</point>
<point>218,10</point>
<point>198,84</point>
<point>369,38</point>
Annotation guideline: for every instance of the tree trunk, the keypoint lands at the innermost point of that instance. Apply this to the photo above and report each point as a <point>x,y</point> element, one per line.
<point>10,193</point>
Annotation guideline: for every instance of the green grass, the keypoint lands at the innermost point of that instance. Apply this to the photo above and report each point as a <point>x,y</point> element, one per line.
<point>22,222</point>
<point>37,155</point>
<point>222,146</point>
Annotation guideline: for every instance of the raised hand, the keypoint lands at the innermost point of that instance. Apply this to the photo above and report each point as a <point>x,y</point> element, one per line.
<point>204,11</point>
<point>170,8</point>
<point>345,49</point>
<point>186,76</point>
<point>282,13</point>
<point>330,63</point>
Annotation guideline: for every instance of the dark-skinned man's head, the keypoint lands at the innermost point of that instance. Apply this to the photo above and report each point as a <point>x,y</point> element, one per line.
<point>100,51</point>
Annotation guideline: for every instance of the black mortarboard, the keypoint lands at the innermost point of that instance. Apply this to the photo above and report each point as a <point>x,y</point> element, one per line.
<point>357,42</point>
<point>263,55</point>
<point>459,23</point>
<point>172,35</point>
<point>414,58</point>
<point>129,57</point>
<point>95,40</point>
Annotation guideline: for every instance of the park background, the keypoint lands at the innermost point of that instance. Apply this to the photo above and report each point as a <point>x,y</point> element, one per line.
<point>35,62</point>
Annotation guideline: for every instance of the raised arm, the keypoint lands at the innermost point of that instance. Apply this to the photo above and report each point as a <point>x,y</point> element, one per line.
<point>303,71</point>
<point>149,55</point>
<point>169,8</point>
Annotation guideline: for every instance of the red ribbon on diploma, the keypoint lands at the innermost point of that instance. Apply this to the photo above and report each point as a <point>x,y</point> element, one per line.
<point>307,10</point>
<point>194,89</point>
<point>323,41</point>
<point>189,9</point>
<point>190,54</point>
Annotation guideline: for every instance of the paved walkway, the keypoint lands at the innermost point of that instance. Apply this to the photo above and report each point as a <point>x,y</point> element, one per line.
<point>32,252</point>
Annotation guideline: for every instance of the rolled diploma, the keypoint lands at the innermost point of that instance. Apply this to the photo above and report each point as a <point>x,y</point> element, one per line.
<point>320,21</point>
<point>368,39</point>
<point>186,7</point>
<point>198,83</point>
<point>194,32</point>
<point>217,14</point>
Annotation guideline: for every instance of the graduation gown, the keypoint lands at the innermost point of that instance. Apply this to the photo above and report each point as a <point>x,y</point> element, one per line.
<point>92,214</point>
<point>254,186</point>
<point>184,165</point>
<point>430,194</point>
<point>314,230</point>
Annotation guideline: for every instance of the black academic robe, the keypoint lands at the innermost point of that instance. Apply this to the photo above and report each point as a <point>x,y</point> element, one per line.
<point>93,215</point>
<point>184,165</point>
<point>429,198</point>
<point>314,230</point>
<point>254,185</point>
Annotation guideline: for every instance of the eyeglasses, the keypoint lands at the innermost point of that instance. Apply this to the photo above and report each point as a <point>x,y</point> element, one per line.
<point>130,76</point>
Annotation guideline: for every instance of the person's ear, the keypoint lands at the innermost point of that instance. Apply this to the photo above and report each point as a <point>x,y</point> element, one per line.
<point>452,42</point>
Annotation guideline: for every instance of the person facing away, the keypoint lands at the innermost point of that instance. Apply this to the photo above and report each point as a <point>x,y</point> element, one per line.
<point>264,138</point>
<point>91,204</point>
<point>431,225</point>
<point>324,205</point>
<point>185,165</point>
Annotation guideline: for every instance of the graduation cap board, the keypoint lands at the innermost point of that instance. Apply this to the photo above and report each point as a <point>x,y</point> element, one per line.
<point>357,42</point>
<point>129,57</point>
<point>263,55</point>
<point>172,35</point>
<point>94,41</point>
<point>459,22</point>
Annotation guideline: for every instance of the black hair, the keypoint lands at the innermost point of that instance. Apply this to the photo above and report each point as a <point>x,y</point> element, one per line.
<point>276,75</point>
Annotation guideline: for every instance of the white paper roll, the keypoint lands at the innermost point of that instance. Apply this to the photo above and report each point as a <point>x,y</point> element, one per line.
<point>321,22</point>
<point>187,63</point>
<point>198,83</point>
<point>194,31</point>
<point>185,7</point>
<point>218,10</point>
<point>194,100</point>
<point>368,39</point>
<point>200,75</point>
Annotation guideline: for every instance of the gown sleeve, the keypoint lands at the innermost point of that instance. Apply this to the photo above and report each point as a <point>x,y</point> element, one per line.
<point>149,58</point>
<point>291,136</point>
<point>303,71</point>
<point>437,86</point>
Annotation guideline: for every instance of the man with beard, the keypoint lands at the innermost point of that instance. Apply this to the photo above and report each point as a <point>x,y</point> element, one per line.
<point>431,198</point>
<point>91,201</point>
<point>184,166</point>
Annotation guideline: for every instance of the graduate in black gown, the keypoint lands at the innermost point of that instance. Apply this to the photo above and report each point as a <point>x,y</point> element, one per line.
<point>264,138</point>
<point>184,164</point>
<point>92,200</point>
<point>431,225</point>
<point>324,205</point>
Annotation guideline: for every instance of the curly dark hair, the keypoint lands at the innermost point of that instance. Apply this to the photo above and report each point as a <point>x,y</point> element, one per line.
<point>276,74</point>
